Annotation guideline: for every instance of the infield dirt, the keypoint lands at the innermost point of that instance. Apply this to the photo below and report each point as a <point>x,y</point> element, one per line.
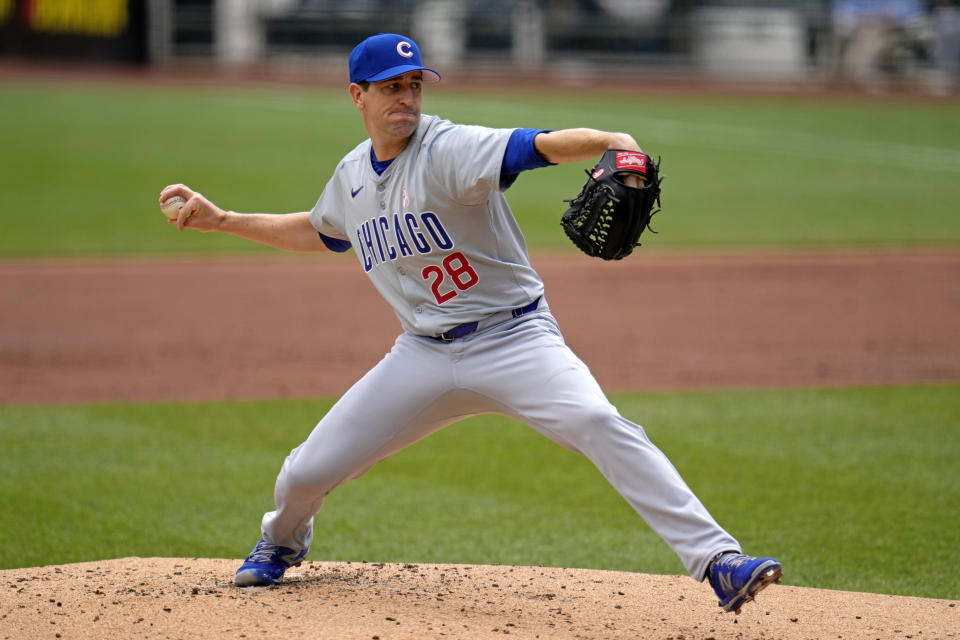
<point>145,330</point>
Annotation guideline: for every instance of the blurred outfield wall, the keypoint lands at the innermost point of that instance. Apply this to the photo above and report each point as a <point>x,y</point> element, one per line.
<point>859,41</point>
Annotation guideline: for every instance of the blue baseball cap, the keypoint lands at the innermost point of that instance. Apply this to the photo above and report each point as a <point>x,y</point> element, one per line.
<point>387,55</point>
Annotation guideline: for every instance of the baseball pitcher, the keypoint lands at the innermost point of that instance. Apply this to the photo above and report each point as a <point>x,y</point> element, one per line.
<point>421,204</point>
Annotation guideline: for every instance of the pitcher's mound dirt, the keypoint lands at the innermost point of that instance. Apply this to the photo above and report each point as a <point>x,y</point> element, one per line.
<point>195,599</point>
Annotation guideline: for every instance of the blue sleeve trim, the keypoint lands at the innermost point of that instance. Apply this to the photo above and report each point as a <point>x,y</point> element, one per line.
<point>335,244</point>
<point>521,155</point>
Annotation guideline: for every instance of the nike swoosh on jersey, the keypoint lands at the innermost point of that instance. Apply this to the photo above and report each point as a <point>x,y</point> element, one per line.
<point>354,192</point>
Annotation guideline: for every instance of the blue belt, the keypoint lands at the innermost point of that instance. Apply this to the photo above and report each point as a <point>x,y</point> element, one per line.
<point>469,327</point>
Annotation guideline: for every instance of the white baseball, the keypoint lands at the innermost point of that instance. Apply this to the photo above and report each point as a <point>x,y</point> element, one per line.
<point>172,205</point>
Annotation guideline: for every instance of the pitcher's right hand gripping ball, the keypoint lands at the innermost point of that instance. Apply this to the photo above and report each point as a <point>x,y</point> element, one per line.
<point>607,218</point>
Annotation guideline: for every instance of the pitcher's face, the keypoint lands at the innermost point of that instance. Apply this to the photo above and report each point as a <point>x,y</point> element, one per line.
<point>391,107</point>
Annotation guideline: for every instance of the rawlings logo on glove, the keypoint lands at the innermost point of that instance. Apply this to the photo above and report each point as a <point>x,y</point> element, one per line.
<point>608,216</point>
<point>632,160</point>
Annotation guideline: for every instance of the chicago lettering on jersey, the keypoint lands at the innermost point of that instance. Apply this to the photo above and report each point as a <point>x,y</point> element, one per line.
<point>387,238</point>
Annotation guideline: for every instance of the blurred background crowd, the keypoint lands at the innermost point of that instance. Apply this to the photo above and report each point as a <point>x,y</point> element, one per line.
<point>872,44</point>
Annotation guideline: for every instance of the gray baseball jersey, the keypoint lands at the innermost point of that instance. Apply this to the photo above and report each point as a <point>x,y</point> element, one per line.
<point>433,232</point>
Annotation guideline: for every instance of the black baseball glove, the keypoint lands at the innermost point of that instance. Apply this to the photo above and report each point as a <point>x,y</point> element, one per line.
<point>607,218</point>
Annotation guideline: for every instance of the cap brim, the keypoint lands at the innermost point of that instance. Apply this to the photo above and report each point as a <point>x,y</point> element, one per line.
<point>429,75</point>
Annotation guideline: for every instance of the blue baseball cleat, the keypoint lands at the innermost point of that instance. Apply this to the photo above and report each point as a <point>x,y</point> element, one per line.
<point>266,565</point>
<point>737,578</point>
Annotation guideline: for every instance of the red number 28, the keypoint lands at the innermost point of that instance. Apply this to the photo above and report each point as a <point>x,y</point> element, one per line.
<point>461,273</point>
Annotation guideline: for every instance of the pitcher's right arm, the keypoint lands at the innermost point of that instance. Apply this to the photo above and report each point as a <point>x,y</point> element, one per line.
<point>287,231</point>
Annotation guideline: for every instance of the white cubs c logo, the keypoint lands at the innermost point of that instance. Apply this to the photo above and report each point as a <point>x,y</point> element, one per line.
<point>404,49</point>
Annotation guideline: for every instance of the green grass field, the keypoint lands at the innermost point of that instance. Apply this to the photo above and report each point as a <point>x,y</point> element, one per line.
<point>82,166</point>
<point>853,489</point>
